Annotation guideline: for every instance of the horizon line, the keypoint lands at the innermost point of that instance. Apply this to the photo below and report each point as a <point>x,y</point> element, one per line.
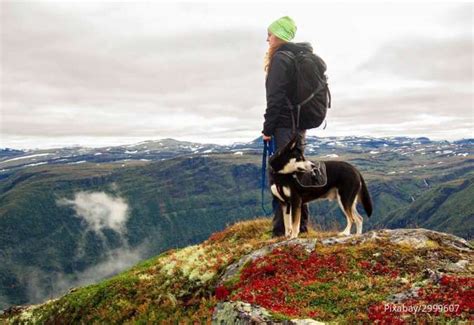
<point>230,143</point>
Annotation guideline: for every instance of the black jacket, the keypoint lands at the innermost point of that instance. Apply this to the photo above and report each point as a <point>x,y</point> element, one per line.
<point>280,85</point>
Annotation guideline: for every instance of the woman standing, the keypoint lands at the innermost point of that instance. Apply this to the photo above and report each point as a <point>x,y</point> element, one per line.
<point>280,87</point>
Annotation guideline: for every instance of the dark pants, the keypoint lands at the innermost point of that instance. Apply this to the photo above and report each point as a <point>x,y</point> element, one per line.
<point>282,136</point>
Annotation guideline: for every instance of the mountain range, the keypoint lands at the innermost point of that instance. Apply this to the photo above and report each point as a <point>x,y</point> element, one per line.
<point>73,216</point>
<point>154,150</point>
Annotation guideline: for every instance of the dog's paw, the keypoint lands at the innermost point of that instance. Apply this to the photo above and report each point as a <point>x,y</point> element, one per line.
<point>294,234</point>
<point>344,233</point>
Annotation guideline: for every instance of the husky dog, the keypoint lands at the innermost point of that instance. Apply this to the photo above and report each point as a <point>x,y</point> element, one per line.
<point>344,184</point>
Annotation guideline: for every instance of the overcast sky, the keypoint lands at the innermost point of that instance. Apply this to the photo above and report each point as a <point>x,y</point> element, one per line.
<point>101,73</point>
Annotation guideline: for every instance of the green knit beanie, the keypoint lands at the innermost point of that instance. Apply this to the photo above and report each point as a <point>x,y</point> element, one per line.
<point>283,28</point>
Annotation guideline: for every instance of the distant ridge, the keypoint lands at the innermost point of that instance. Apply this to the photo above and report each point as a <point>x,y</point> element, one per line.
<point>157,150</point>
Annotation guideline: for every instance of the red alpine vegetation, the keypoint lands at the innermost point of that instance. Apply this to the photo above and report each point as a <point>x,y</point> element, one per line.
<point>273,281</point>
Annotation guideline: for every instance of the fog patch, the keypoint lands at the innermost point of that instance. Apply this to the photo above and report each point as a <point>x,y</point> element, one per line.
<point>43,285</point>
<point>99,211</point>
<point>4,302</point>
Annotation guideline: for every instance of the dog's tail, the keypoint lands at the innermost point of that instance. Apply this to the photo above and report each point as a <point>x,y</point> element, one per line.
<point>364,197</point>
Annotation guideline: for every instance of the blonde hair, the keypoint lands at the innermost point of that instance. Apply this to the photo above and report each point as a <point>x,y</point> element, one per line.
<point>267,61</point>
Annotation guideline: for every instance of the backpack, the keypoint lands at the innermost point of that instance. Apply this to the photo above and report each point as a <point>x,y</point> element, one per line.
<point>313,97</point>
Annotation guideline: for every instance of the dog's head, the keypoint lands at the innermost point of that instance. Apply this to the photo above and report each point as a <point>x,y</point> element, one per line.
<point>290,159</point>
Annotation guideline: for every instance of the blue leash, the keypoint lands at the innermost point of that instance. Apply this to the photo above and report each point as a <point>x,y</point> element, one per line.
<point>268,150</point>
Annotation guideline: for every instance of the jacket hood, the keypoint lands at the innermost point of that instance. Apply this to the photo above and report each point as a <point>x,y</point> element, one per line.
<point>296,47</point>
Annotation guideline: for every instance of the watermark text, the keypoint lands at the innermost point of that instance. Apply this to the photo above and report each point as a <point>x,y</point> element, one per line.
<point>415,309</point>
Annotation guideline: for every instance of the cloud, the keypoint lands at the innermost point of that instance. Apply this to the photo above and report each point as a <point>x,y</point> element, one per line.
<point>406,111</point>
<point>411,86</point>
<point>401,104</point>
<point>72,72</point>
<point>99,211</point>
<point>83,79</point>
<point>41,285</point>
<point>461,18</point>
<point>93,65</point>
<point>445,61</point>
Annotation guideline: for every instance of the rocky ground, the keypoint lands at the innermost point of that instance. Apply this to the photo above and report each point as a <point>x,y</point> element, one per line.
<point>241,276</point>
<point>417,273</point>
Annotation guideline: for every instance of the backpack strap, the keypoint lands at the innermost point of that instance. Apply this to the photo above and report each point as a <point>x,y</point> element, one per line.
<point>298,106</point>
<point>294,125</point>
<point>329,96</point>
<point>317,90</point>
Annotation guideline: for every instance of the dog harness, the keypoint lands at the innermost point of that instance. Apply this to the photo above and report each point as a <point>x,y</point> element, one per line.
<point>316,178</point>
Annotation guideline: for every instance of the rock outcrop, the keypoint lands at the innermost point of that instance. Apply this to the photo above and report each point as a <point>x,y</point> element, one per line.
<point>243,276</point>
